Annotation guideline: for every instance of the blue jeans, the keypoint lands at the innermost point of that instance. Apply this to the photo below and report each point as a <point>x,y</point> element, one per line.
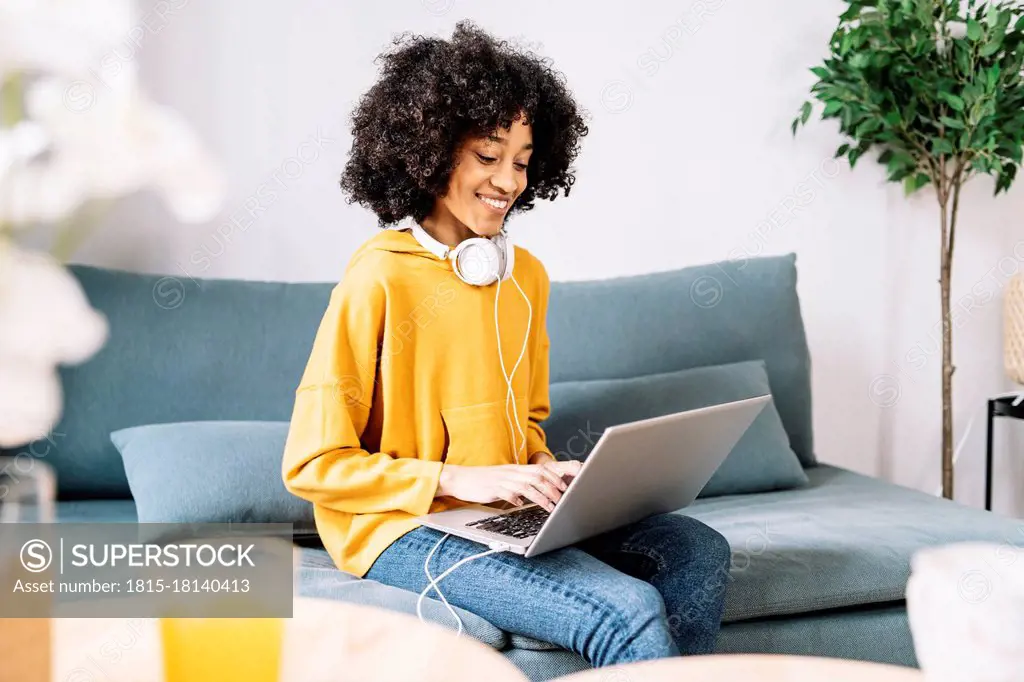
<point>651,589</point>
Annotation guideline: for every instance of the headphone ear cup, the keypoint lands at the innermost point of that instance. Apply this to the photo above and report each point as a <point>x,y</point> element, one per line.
<point>477,261</point>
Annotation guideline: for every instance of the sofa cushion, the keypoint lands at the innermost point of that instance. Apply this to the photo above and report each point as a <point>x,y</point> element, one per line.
<point>761,460</point>
<point>97,511</point>
<point>844,540</point>
<point>211,472</point>
<point>873,633</point>
<point>698,316</point>
<point>318,577</point>
<point>180,349</point>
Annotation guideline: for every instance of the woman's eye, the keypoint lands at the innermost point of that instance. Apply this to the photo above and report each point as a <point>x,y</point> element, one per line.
<point>491,159</point>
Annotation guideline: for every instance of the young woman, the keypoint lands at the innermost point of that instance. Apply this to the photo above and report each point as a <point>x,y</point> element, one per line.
<point>406,407</point>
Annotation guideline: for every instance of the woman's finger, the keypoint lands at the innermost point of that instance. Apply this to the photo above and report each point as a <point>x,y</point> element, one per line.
<point>568,468</point>
<point>509,495</point>
<point>550,492</point>
<point>536,496</point>
<point>553,474</point>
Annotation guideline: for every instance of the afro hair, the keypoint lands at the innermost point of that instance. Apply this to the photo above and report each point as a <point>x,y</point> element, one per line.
<point>432,96</point>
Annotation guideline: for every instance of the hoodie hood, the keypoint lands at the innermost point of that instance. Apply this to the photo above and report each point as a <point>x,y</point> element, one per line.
<point>399,240</point>
<point>395,240</point>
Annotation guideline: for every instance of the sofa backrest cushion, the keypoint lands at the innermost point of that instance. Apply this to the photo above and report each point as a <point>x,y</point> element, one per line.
<point>703,315</point>
<point>179,351</point>
<point>184,349</point>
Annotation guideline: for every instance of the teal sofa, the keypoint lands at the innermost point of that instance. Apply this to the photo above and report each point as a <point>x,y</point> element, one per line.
<point>819,569</point>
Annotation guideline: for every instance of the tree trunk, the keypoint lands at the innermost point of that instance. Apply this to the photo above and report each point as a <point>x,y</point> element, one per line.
<point>947,381</point>
<point>945,282</point>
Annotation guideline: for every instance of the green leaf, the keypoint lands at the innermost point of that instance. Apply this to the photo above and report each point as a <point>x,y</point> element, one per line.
<point>793,125</point>
<point>899,174</point>
<point>1012,150</point>
<point>859,60</point>
<point>846,116</point>
<point>844,44</point>
<point>963,58</point>
<point>805,112</point>
<point>951,122</point>
<point>1003,22</point>
<point>854,155</point>
<point>821,72</point>
<point>912,183</point>
<point>991,48</point>
<point>831,107</point>
<point>1005,179</point>
<point>843,148</point>
<point>900,161</point>
<point>974,30</point>
<point>952,100</point>
<point>992,75</point>
<point>941,146</point>
<point>867,126</point>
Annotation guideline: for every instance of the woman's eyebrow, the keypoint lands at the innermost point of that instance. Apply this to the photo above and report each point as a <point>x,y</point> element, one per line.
<point>501,140</point>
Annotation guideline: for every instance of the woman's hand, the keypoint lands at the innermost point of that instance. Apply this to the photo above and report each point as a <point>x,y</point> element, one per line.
<point>514,483</point>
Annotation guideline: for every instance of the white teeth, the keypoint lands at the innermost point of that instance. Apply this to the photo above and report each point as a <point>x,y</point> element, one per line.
<point>493,202</point>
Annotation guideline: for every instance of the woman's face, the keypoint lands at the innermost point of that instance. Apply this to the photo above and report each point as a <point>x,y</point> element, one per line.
<point>490,174</point>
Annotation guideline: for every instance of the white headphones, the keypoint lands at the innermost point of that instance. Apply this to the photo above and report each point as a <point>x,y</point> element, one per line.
<point>478,261</point>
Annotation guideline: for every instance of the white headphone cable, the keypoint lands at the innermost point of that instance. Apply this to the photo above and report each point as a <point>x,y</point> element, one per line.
<point>497,547</point>
<point>433,582</point>
<point>508,379</point>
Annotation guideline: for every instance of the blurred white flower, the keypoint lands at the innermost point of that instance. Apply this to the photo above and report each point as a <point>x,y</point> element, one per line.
<point>117,145</point>
<point>46,320</point>
<point>61,36</point>
<point>957,29</point>
<point>82,130</point>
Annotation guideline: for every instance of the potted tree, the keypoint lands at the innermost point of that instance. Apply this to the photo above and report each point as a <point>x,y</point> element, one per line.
<point>936,89</point>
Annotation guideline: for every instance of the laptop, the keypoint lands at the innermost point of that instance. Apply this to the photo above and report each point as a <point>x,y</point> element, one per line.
<point>635,470</point>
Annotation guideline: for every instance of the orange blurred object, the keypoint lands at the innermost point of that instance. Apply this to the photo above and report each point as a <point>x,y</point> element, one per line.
<point>222,649</point>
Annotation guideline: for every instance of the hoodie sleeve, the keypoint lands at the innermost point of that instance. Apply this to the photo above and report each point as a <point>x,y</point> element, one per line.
<point>540,405</point>
<point>323,459</point>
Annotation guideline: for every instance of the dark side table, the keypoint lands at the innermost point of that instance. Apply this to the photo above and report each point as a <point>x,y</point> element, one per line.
<point>997,407</point>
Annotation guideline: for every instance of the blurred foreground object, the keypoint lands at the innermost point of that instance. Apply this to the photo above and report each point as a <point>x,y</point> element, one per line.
<point>965,603</point>
<point>76,133</point>
<point>27,491</point>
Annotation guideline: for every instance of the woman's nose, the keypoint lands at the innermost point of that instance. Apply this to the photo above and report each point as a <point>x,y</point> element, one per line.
<point>504,181</point>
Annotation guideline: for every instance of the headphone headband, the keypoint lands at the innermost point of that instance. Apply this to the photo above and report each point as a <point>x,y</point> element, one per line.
<point>429,243</point>
<point>479,260</point>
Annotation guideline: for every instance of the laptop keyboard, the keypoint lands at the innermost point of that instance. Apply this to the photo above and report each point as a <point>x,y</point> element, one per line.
<point>522,523</point>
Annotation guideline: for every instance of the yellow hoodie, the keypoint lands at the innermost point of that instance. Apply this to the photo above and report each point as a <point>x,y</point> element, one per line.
<point>404,375</point>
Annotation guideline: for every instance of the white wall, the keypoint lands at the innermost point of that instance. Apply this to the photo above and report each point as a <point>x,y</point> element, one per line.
<point>689,160</point>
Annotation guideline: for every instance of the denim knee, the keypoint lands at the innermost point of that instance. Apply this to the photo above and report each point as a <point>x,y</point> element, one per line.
<point>635,627</point>
<point>719,551</point>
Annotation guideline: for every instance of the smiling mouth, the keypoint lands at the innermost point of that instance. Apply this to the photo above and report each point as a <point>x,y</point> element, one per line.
<point>498,205</point>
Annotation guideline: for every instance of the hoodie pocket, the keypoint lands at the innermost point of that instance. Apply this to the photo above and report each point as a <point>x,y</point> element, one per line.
<point>478,435</point>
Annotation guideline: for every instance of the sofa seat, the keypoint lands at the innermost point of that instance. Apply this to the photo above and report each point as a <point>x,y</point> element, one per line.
<point>843,540</point>
<point>840,544</point>
<point>319,577</point>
